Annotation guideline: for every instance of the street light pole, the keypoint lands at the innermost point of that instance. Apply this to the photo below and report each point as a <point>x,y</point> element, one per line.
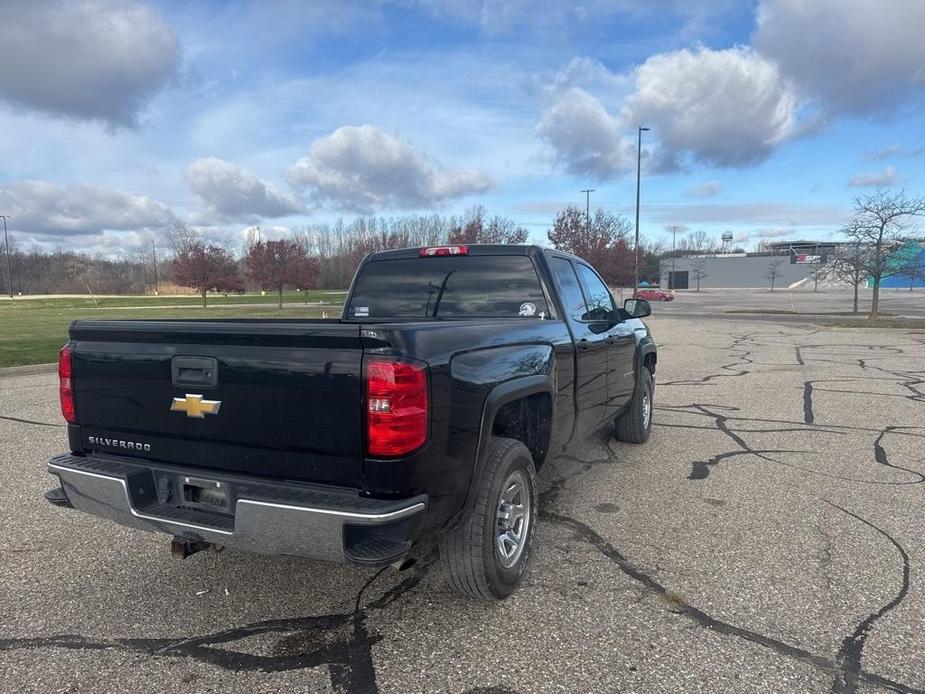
<point>154,256</point>
<point>587,193</point>
<point>638,178</point>
<point>674,247</point>
<point>9,271</point>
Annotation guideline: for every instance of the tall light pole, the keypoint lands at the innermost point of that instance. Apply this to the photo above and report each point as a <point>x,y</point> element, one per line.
<point>638,179</point>
<point>674,247</point>
<point>154,256</point>
<point>587,192</point>
<point>6,240</point>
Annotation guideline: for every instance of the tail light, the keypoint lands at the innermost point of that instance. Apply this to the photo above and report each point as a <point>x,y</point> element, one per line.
<point>396,407</point>
<point>65,386</point>
<point>439,251</point>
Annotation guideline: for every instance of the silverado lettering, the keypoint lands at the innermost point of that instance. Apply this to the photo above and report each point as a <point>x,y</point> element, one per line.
<point>119,443</point>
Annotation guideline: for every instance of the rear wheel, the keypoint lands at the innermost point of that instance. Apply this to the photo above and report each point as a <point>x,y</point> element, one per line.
<point>635,424</point>
<point>488,553</point>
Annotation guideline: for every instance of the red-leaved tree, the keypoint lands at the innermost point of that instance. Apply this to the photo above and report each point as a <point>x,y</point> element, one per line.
<point>603,242</point>
<point>280,264</point>
<point>207,268</point>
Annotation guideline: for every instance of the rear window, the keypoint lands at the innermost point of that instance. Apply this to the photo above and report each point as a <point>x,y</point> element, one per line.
<point>498,286</point>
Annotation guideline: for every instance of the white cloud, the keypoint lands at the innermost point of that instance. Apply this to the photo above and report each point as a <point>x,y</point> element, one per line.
<point>726,108</point>
<point>38,207</point>
<point>235,193</point>
<point>363,169</point>
<point>884,153</point>
<point>704,190</point>
<point>554,18</point>
<point>777,214</point>
<point>584,137</point>
<point>94,60</point>
<point>773,233</point>
<point>885,178</point>
<point>857,56</point>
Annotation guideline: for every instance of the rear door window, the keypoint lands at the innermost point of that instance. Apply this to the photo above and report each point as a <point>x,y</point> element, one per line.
<point>572,297</point>
<point>490,286</point>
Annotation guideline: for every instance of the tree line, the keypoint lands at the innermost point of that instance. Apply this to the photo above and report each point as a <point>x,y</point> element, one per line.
<point>323,256</point>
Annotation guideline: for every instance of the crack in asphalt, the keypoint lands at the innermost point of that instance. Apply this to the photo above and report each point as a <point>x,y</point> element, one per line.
<point>686,409</point>
<point>881,457</point>
<point>741,359</point>
<point>19,420</point>
<point>808,416</point>
<point>852,648</point>
<point>678,605</point>
<point>306,641</point>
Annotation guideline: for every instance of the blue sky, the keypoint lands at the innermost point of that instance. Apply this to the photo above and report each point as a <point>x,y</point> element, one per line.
<point>119,118</point>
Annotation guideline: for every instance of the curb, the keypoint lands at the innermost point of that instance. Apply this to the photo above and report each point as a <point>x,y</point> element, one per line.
<point>29,370</point>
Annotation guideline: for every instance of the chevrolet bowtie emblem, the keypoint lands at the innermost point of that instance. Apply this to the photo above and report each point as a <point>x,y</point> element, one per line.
<point>195,406</point>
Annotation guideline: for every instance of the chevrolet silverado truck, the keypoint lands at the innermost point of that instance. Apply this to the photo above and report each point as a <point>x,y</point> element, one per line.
<point>426,410</point>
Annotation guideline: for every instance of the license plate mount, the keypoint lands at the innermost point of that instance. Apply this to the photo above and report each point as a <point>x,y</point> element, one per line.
<point>204,493</point>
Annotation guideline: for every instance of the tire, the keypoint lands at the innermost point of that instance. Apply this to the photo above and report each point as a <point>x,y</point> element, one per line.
<point>470,552</point>
<point>635,424</point>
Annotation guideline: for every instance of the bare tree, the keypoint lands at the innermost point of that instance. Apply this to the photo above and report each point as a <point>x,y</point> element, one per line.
<point>478,228</point>
<point>850,265</point>
<point>181,237</point>
<point>698,272</point>
<point>697,242</point>
<point>880,219</point>
<point>774,272</point>
<point>83,270</point>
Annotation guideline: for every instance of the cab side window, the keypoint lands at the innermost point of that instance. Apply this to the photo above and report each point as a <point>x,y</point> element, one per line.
<point>572,297</point>
<point>600,303</point>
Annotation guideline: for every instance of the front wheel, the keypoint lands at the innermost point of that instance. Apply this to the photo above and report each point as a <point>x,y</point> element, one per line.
<point>635,423</point>
<point>488,553</point>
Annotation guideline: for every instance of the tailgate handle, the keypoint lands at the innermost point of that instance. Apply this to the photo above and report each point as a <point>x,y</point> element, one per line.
<point>194,371</point>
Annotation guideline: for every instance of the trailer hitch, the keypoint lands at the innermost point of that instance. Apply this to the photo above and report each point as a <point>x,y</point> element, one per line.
<point>181,548</point>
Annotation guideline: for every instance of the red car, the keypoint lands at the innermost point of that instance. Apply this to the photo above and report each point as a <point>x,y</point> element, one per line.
<point>654,294</point>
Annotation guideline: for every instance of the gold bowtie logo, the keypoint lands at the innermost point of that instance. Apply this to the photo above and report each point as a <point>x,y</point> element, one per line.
<point>195,406</point>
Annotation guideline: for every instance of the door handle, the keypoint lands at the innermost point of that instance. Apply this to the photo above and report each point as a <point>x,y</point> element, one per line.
<point>583,345</point>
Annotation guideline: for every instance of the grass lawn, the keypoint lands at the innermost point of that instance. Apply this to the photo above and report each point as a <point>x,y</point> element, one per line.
<point>33,330</point>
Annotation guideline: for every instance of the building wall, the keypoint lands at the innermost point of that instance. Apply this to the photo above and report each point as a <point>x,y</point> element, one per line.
<point>736,271</point>
<point>911,253</point>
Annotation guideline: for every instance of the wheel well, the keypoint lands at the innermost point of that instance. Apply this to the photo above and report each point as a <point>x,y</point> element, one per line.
<point>649,362</point>
<point>529,420</point>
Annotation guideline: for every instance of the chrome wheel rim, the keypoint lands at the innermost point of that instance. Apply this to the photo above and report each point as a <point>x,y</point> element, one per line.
<point>646,410</point>
<point>512,519</point>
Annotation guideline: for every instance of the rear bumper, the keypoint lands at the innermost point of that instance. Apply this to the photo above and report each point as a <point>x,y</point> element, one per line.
<point>266,518</point>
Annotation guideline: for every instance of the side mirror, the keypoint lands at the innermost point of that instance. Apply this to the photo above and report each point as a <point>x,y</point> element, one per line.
<point>637,308</point>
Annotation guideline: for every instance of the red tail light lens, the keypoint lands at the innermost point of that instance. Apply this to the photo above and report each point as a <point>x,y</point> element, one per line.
<point>65,388</point>
<point>438,251</point>
<point>396,407</point>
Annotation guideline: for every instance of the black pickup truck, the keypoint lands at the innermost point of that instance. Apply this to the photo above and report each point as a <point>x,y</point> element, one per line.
<point>425,410</point>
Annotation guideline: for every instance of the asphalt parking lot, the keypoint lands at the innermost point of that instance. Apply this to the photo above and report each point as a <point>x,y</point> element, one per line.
<point>770,537</point>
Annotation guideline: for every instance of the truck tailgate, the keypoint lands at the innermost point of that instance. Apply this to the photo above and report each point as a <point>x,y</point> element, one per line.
<point>289,393</point>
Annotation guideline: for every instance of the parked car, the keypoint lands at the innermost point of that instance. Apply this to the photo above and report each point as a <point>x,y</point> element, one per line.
<point>427,409</point>
<point>654,294</point>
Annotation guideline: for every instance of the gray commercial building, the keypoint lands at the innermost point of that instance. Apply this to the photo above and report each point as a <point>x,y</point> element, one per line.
<point>745,270</point>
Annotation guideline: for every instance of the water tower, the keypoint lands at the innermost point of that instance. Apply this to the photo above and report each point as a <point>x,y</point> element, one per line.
<point>727,240</point>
